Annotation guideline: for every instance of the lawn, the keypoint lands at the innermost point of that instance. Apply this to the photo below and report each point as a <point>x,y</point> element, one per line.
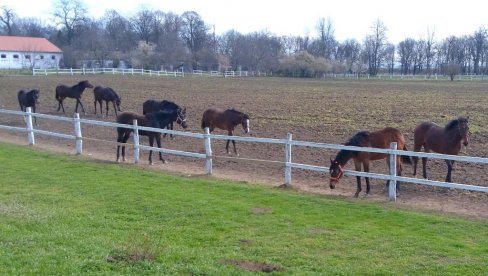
<point>67,215</point>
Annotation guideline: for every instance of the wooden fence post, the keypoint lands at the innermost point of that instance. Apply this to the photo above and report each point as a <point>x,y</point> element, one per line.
<point>30,128</point>
<point>288,160</point>
<point>78,137</point>
<point>393,172</point>
<point>136,141</point>
<point>208,151</point>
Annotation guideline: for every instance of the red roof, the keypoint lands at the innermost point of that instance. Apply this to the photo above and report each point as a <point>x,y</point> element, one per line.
<point>27,44</point>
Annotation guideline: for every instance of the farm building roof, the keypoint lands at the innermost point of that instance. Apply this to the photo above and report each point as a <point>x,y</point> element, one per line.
<point>27,44</point>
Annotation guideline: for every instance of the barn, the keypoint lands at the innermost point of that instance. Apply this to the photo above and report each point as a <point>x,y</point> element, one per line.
<point>18,52</point>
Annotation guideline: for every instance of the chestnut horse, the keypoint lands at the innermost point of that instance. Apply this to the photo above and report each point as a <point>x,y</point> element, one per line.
<point>158,119</point>
<point>106,94</point>
<point>378,139</point>
<point>446,140</point>
<point>75,92</point>
<point>225,120</point>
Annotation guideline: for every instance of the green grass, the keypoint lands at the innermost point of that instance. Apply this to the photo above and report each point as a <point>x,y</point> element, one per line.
<point>65,215</point>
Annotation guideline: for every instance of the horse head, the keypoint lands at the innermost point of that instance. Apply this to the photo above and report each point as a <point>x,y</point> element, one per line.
<point>336,172</point>
<point>245,123</point>
<point>35,95</point>
<point>181,117</point>
<point>463,128</point>
<point>85,84</point>
<point>118,101</point>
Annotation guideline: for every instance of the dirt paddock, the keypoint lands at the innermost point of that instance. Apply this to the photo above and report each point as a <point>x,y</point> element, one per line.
<point>327,111</point>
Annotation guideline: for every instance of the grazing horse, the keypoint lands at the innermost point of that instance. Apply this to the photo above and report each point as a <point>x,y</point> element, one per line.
<point>106,94</point>
<point>226,120</point>
<point>378,139</point>
<point>159,119</point>
<point>28,99</point>
<point>153,106</point>
<point>75,91</point>
<point>446,140</point>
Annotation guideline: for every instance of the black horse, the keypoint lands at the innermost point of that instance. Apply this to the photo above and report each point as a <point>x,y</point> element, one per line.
<point>75,91</point>
<point>159,119</point>
<point>164,105</point>
<point>28,99</point>
<point>106,94</point>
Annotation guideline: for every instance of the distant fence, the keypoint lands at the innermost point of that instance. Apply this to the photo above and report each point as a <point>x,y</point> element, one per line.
<point>288,143</point>
<point>142,72</point>
<point>406,77</point>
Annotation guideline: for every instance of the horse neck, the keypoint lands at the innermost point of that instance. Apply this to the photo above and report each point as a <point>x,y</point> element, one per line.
<point>165,118</point>
<point>453,136</point>
<point>343,157</point>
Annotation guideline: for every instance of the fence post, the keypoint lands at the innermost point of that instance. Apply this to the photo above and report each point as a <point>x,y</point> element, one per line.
<point>288,160</point>
<point>79,141</point>
<point>136,141</point>
<point>30,128</point>
<point>208,151</point>
<point>84,71</point>
<point>393,170</point>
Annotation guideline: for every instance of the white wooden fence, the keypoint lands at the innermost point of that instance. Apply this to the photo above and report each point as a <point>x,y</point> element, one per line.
<point>113,71</point>
<point>288,143</point>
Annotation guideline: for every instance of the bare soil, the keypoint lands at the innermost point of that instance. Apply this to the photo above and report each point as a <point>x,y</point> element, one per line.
<point>313,110</point>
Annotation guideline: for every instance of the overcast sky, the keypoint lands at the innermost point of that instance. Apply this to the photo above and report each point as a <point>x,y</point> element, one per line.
<point>350,18</point>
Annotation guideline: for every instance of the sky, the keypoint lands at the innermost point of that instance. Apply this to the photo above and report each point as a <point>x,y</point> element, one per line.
<point>350,18</point>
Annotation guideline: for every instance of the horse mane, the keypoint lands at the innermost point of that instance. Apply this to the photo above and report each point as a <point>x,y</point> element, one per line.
<point>454,123</point>
<point>356,140</point>
<point>239,113</point>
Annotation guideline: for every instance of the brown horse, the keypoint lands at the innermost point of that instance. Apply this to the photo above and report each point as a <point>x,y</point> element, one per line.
<point>75,91</point>
<point>378,139</point>
<point>158,119</point>
<point>446,140</point>
<point>106,94</point>
<point>226,120</point>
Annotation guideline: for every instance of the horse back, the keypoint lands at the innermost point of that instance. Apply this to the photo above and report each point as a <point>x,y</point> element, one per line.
<point>210,118</point>
<point>383,138</point>
<point>128,119</point>
<point>425,130</point>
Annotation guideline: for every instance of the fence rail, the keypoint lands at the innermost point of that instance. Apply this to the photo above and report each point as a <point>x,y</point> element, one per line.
<point>288,143</point>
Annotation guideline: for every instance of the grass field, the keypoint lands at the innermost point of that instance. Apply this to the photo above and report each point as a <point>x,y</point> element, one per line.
<point>65,215</point>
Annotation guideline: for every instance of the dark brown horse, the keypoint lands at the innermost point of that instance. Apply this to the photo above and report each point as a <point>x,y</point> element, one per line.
<point>226,120</point>
<point>28,99</point>
<point>75,92</point>
<point>446,140</point>
<point>106,94</point>
<point>158,119</point>
<point>378,139</point>
<point>154,105</point>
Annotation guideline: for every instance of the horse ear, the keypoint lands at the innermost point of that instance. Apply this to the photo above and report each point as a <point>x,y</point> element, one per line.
<point>331,160</point>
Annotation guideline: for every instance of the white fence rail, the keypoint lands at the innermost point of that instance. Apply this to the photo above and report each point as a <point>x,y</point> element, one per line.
<point>112,71</point>
<point>288,144</point>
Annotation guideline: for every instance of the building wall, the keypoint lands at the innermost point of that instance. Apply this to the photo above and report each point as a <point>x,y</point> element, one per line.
<point>21,60</point>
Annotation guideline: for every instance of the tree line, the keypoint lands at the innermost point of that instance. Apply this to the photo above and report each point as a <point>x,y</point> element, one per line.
<point>153,39</point>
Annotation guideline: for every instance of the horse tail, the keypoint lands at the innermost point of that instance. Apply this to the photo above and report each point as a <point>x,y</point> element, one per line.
<point>405,158</point>
<point>57,94</point>
<point>204,125</point>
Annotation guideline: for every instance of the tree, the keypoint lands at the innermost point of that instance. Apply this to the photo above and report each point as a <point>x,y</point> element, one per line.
<point>143,23</point>
<point>194,34</point>
<point>326,38</point>
<point>70,15</point>
<point>117,29</point>
<point>452,69</point>
<point>406,54</point>
<point>7,17</point>
<point>477,49</point>
<point>429,51</point>
<point>374,45</point>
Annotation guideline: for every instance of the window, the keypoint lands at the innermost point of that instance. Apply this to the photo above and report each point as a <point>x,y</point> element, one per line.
<point>41,57</point>
<point>53,57</point>
<point>3,56</point>
<point>16,56</point>
<point>27,56</point>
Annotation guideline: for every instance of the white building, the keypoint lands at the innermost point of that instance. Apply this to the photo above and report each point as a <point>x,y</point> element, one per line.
<point>28,52</point>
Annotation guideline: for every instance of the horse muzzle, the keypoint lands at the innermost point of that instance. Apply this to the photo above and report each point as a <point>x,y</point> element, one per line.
<point>465,143</point>
<point>332,184</point>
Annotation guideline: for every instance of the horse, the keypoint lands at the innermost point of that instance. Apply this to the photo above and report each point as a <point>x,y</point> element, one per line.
<point>153,106</point>
<point>106,94</point>
<point>159,119</point>
<point>446,140</point>
<point>75,91</point>
<point>378,139</point>
<point>225,120</point>
<point>28,99</point>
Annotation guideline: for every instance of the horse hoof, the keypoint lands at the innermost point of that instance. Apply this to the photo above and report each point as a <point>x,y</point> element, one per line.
<point>356,195</point>
<point>123,160</point>
<point>164,161</point>
<point>151,163</point>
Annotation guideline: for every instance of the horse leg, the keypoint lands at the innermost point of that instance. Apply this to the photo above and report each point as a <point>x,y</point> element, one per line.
<point>34,110</point>
<point>171,135</point>
<point>120,139</point>
<point>151,143</point>
<point>115,109</point>
<point>233,143</point>
<point>82,108</point>
<point>60,105</point>
<point>366,169</point>
<point>449,170</point>
<point>424,162</point>
<point>415,158</point>
<point>106,107</point>
<point>357,166</point>
<point>158,142</point>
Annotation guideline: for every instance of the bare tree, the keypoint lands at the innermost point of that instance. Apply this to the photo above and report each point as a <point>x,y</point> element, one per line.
<point>429,50</point>
<point>326,38</point>
<point>7,17</point>
<point>477,50</point>
<point>70,15</point>
<point>193,33</point>
<point>374,45</point>
<point>143,23</point>
<point>119,32</point>
<point>406,54</point>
